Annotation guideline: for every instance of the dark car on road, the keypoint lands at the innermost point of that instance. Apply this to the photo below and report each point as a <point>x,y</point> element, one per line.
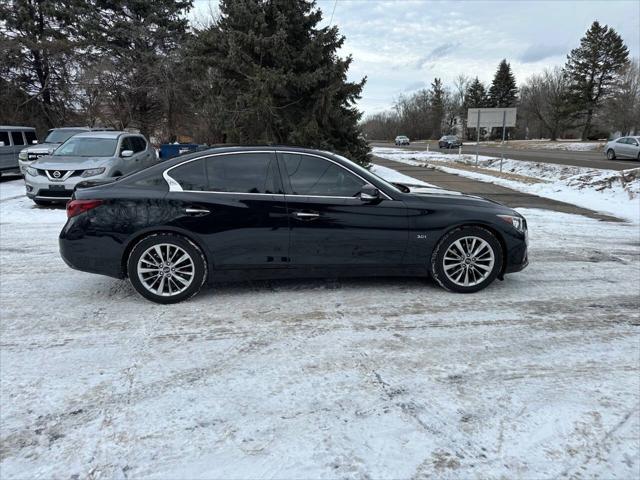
<point>256,212</point>
<point>449,141</point>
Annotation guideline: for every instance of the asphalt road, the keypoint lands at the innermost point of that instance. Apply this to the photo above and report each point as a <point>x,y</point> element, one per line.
<point>504,195</point>
<point>595,159</point>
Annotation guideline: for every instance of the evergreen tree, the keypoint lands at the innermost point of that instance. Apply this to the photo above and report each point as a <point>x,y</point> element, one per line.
<point>138,39</point>
<point>503,92</point>
<point>476,95</point>
<point>40,50</point>
<point>593,67</point>
<point>437,96</point>
<point>278,77</point>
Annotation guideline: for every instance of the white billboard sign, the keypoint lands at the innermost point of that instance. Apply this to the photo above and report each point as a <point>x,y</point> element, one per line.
<point>491,117</point>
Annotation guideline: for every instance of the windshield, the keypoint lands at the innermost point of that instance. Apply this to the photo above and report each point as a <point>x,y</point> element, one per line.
<point>60,136</point>
<point>361,170</point>
<point>87,147</point>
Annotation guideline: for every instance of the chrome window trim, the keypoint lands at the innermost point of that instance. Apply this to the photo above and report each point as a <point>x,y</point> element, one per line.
<point>174,186</point>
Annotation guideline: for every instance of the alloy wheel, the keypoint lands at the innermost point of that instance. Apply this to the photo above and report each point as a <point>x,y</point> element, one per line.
<point>166,269</point>
<point>468,261</point>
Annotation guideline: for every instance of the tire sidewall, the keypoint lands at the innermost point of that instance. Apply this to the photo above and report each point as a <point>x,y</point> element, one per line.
<point>437,266</point>
<point>611,154</point>
<point>188,246</point>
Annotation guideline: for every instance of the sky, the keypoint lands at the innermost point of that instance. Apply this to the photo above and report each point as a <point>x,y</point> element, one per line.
<point>402,45</point>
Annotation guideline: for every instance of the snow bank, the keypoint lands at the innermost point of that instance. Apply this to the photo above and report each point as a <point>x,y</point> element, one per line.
<point>609,191</point>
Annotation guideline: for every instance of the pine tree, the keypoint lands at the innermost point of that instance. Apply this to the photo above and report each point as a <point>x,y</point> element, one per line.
<point>40,57</point>
<point>279,78</point>
<point>137,40</point>
<point>476,95</point>
<point>437,97</point>
<point>503,92</point>
<point>592,69</point>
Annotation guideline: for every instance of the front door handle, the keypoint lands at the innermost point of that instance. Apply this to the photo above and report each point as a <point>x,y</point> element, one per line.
<point>306,215</point>
<point>196,212</point>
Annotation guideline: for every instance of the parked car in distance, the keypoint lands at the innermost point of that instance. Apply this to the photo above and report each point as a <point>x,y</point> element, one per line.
<point>402,140</point>
<point>89,155</point>
<point>449,141</point>
<point>256,212</point>
<point>623,147</point>
<point>12,140</point>
<point>55,137</point>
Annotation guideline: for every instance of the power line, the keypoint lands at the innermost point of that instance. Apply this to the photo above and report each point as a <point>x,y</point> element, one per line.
<point>333,11</point>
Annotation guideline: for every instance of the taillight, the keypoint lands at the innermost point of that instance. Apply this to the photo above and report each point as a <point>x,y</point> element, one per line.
<point>76,207</point>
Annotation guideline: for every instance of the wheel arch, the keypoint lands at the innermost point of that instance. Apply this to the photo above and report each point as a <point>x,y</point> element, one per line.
<point>138,237</point>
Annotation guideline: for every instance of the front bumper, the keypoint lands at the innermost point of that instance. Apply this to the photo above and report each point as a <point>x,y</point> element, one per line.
<point>42,188</point>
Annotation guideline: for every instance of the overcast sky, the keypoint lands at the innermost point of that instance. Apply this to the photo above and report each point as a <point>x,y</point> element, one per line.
<point>401,46</point>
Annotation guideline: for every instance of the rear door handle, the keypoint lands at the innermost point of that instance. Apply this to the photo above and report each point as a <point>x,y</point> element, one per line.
<point>196,212</point>
<point>306,215</point>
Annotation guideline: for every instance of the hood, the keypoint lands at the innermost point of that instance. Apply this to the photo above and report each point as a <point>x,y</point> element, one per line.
<point>62,162</point>
<point>450,197</point>
<point>41,147</point>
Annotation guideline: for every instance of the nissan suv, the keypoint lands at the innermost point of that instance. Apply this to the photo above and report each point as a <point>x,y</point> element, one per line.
<point>86,156</point>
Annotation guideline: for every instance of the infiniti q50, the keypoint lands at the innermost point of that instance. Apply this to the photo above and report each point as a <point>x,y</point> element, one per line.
<point>268,212</point>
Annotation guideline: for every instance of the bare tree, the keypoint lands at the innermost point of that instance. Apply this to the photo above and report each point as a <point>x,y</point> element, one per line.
<point>622,109</point>
<point>545,96</point>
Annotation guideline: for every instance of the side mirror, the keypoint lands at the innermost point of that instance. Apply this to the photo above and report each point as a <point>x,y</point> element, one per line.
<point>126,153</point>
<point>369,193</point>
<point>34,142</point>
<point>1,144</point>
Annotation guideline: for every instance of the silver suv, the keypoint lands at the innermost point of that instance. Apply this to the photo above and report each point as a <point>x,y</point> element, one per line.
<point>86,156</point>
<point>55,137</point>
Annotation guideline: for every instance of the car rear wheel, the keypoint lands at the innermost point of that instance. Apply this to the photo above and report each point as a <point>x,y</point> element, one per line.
<point>166,268</point>
<point>466,260</point>
<point>611,154</point>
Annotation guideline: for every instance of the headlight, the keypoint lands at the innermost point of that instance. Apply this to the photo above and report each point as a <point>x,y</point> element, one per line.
<point>23,155</point>
<point>32,171</point>
<point>516,222</point>
<point>93,172</point>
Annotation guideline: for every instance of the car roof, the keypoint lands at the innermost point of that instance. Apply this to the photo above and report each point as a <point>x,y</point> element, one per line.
<point>103,134</point>
<point>14,127</point>
<point>71,128</point>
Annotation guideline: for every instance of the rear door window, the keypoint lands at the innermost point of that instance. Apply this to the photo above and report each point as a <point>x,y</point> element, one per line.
<point>251,172</point>
<point>31,137</point>
<point>316,176</point>
<point>17,138</point>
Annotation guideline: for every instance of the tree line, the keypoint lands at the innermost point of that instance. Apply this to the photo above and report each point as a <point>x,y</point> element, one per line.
<point>596,93</point>
<point>260,71</point>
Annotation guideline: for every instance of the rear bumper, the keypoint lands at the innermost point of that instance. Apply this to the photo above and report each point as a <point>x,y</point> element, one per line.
<point>101,254</point>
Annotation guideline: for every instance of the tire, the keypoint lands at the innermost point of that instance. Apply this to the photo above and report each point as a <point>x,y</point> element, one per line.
<point>477,272</point>
<point>611,154</point>
<point>156,279</point>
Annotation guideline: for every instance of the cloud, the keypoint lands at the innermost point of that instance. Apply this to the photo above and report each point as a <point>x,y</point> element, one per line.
<point>440,51</point>
<point>414,86</point>
<point>537,52</point>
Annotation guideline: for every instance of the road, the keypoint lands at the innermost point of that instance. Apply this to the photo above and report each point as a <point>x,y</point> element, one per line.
<point>593,159</point>
<point>504,195</point>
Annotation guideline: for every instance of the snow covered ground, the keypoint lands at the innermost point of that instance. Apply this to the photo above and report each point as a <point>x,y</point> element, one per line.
<point>545,144</point>
<point>535,377</point>
<point>609,191</point>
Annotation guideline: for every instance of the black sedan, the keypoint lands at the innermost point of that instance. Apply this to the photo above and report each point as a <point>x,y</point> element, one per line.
<point>449,141</point>
<point>266,212</point>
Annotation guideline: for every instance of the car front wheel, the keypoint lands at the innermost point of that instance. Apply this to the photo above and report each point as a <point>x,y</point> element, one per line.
<point>166,268</point>
<point>611,155</point>
<point>466,260</point>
